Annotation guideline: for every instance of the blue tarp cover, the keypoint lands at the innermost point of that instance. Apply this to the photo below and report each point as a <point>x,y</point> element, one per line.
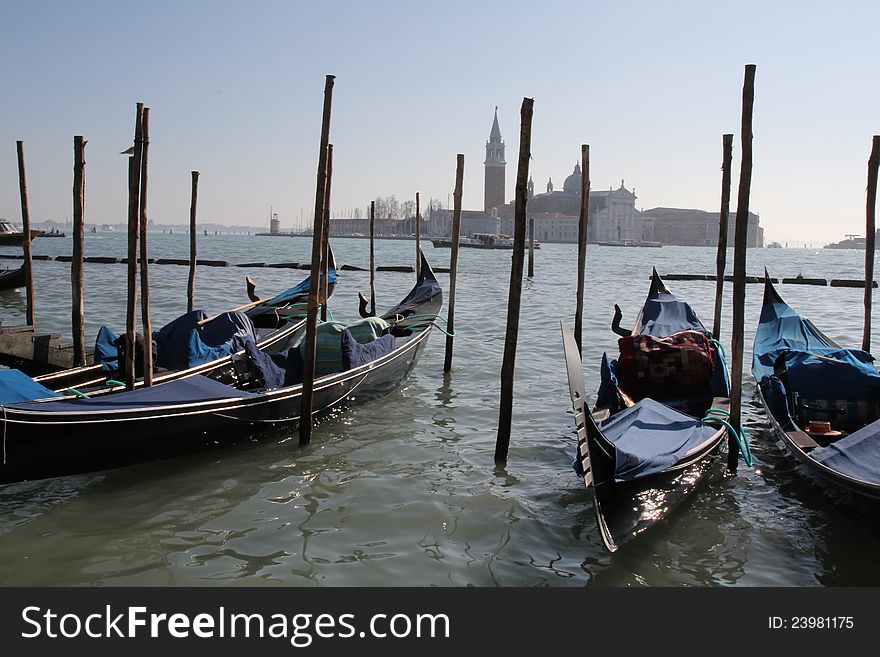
<point>856,455</point>
<point>781,329</point>
<point>191,389</point>
<point>16,386</point>
<point>663,314</point>
<point>833,374</point>
<point>106,352</point>
<point>815,367</point>
<point>172,340</point>
<point>297,290</point>
<point>650,437</point>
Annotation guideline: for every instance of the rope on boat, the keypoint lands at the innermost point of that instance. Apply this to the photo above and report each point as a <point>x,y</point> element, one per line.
<point>433,318</point>
<point>720,347</point>
<point>740,436</point>
<point>114,382</point>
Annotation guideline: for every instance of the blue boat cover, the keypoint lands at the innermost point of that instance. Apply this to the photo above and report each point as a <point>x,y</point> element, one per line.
<point>649,437</point>
<point>355,354</point>
<point>191,389</point>
<point>856,455</point>
<point>172,340</point>
<point>663,314</point>
<point>16,386</point>
<point>297,290</point>
<point>814,366</point>
<point>831,374</point>
<point>106,352</point>
<point>182,343</point>
<point>780,329</point>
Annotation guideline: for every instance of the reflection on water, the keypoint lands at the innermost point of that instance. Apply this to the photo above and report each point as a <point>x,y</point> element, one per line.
<point>404,490</point>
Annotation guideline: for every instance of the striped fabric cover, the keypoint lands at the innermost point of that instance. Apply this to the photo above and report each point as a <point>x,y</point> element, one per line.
<point>328,356</point>
<point>369,329</point>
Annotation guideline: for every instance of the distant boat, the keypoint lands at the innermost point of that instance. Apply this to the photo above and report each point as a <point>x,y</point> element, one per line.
<point>851,242</point>
<point>53,233</point>
<point>12,236</point>
<point>481,241</point>
<point>635,243</point>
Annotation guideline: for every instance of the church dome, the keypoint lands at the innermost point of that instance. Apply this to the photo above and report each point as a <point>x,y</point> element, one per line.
<point>572,184</point>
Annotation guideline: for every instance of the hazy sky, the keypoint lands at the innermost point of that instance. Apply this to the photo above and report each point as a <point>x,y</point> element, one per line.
<point>235,91</point>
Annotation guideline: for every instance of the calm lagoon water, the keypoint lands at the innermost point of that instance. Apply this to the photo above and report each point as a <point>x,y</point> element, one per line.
<point>404,491</point>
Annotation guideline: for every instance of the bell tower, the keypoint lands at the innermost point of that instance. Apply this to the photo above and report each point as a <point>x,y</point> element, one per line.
<point>493,189</point>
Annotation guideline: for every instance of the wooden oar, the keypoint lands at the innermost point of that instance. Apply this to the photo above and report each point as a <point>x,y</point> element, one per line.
<point>231,310</point>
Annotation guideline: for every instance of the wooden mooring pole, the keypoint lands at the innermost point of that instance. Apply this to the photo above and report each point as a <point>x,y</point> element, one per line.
<point>739,265</point>
<point>134,168</point>
<point>191,284</point>
<point>76,265</point>
<point>721,257</point>
<point>26,245</point>
<point>372,258</point>
<point>870,235</point>
<point>305,419</point>
<point>583,226</point>
<point>418,237</point>
<point>531,247</point>
<point>505,413</point>
<point>453,260</point>
<point>145,275</point>
<point>325,237</point>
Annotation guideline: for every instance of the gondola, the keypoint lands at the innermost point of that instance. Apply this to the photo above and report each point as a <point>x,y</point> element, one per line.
<point>659,419</point>
<point>823,400</point>
<point>255,393</point>
<point>11,279</point>
<point>274,323</point>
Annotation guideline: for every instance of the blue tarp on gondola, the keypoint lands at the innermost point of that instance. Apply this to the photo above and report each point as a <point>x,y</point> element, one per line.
<point>831,374</point>
<point>781,329</point>
<point>16,386</point>
<point>192,389</point>
<point>298,290</point>
<point>650,437</point>
<point>663,314</point>
<point>807,362</point>
<point>856,455</point>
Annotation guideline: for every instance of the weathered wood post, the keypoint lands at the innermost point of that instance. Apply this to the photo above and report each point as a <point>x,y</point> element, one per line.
<point>418,237</point>
<point>145,276</point>
<point>372,258</point>
<point>583,226</point>
<point>453,261</point>
<point>134,167</point>
<point>721,257</point>
<point>502,442</point>
<point>76,265</point>
<point>739,265</point>
<point>305,419</point>
<point>870,235</point>
<point>26,245</point>
<point>325,237</point>
<point>531,247</point>
<point>191,285</point>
